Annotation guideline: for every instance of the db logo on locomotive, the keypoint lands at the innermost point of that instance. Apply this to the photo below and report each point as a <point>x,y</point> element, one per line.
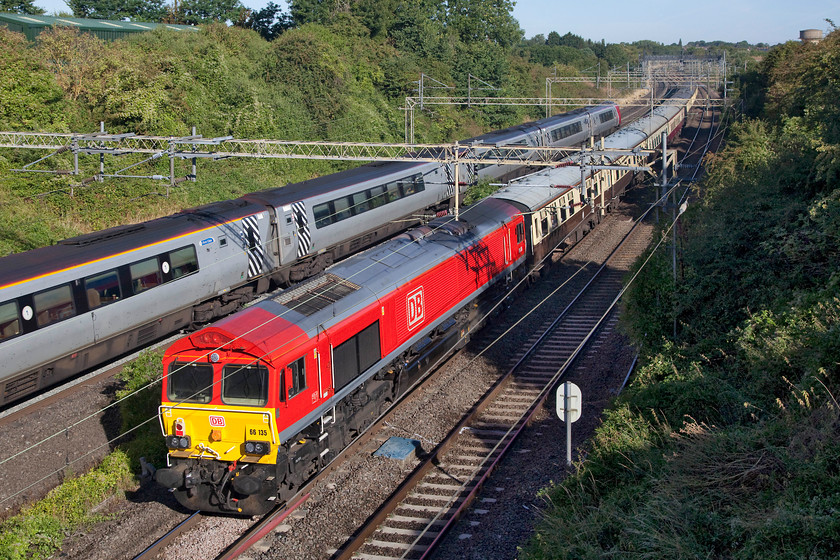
<point>217,421</point>
<point>416,308</point>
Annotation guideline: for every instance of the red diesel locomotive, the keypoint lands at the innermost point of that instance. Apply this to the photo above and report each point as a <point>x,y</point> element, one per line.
<point>256,404</point>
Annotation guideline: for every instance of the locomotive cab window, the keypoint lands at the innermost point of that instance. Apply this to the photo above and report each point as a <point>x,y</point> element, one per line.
<point>520,233</point>
<point>298,381</point>
<point>245,385</point>
<point>54,305</point>
<point>9,320</point>
<point>145,275</point>
<point>102,289</point>
<point>190,382</point>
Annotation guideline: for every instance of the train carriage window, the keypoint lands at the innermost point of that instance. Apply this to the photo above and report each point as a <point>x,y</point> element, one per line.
<point>412,185</point>
<point>9,320</point>
<point>183,261</point>
<point>190,382</point>
<point>360,202</point>
<point>378,196</point>
<point>520,233</point>
<point>606,116</point>
<point>393,191</point>
<point>145,275</point>
<point>245,385</point>
<point>323,214</point>
<point>298,369</point>
<point>54,305</point>
<point>102,289</point>
<point>342,208</point>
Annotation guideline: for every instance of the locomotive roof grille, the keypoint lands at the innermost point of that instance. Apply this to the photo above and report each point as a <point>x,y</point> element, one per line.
<point>317,294</point>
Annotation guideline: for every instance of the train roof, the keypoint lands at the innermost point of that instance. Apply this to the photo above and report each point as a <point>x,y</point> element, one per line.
<point>358,282</point>
<point>501,137</point>
<point>535,193</point>
<point>327,183</point>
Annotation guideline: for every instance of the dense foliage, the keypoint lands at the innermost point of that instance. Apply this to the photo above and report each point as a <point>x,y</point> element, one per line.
<point>725,444</point>
<point>332,79</point>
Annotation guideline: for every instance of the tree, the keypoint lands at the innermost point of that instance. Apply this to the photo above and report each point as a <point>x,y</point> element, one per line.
<point>269,22</point>
<point>194,12</point>
<point>553,39</point>
<point>315,11</point>
<point>484,20</point>
<point>135,10</point>
<point>20,7</point>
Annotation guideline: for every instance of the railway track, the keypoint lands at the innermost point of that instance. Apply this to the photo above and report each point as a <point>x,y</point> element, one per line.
<point>427,504</point>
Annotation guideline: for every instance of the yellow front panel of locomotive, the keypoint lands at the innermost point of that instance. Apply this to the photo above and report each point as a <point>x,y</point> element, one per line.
<point>220,433</point>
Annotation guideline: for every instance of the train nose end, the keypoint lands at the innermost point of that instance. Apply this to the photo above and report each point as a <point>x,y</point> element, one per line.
<point>171,477</point>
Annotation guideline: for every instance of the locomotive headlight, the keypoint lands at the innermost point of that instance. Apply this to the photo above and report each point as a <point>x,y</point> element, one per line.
<point>178,442</point>
<point>257,448</point>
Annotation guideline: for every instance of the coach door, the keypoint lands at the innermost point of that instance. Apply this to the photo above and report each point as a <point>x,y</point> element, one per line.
<point>288,235</point>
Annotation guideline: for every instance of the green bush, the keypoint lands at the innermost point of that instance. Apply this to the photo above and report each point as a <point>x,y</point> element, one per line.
<point>38,531</point>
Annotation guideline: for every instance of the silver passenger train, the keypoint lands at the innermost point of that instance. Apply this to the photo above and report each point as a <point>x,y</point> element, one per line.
<point>72,306</point>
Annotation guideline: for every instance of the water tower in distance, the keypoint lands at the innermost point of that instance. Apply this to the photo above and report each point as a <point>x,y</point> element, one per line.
<point>810,35</point>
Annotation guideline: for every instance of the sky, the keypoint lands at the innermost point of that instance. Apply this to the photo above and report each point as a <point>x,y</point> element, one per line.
<point>622,21</point>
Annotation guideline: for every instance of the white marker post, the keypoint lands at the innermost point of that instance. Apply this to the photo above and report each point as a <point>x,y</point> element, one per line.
<point>569,401</point>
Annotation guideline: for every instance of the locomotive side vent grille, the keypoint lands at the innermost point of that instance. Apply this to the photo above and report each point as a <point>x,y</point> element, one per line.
<point>317,294</point>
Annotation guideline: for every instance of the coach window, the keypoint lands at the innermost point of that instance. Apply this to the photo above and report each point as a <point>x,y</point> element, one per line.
<point>360,202</point>
<point>9,320</point>
<point>245,385</point>
<point>145,275</point>
<point>414,184</point>
<point>183,262</point>
<point>377,196</point>
<point>54,305</point>
<point>342,208</point>
<point>393,192</point>
<point>190,382</point>
<point>323,214</point>
<point>298,382</point>
<point>102,289</point>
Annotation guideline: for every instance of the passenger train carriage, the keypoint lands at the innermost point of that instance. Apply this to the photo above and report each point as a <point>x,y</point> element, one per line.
<point>256,404</point>
<point>74,305</point>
